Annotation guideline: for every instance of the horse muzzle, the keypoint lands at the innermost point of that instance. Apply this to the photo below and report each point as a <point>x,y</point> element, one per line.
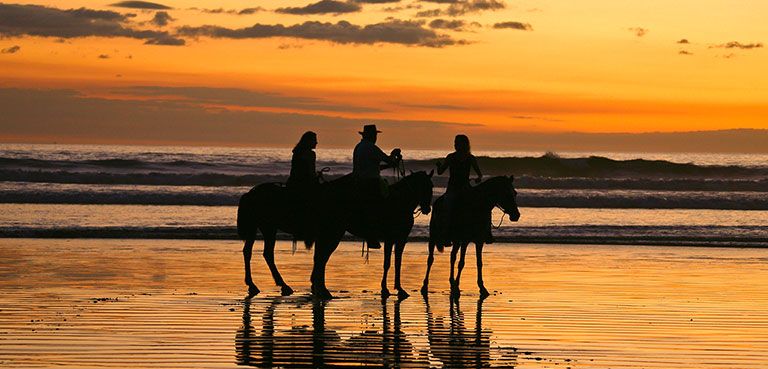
<point>514,216</point>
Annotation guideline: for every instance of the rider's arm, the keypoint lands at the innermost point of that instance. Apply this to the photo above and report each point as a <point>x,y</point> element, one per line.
<point>477,169</point>
<point>391,160</point>
<point>442,166</point>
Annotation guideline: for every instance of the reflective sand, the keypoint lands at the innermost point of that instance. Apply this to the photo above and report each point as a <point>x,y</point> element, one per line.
<point>118,303</point>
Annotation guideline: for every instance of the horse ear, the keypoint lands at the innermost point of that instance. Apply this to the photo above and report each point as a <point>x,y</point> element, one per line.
<point>431,173</point>
<point>511,179</point>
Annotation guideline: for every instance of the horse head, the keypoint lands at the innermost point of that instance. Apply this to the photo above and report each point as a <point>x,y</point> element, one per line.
<point>420,183</point>
<point>504,195</point>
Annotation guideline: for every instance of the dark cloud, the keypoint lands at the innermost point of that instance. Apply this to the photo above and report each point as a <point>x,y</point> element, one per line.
<point>238,97</point>
<point>433,106</point>
<point>166,40</point>
<point>11,50</point>
<point>376,1</point>
<point>103,56</point>
<point>685,52</point>
<point>36,20</point>
<point>162,19</point>
<point>323,7</point>
<point>474,6</point>
<point>458,8</point>
<point>429,13</point>
<point>738,45</point>
<point>72,117</point>
<point>441,1</point>
<point>246,11</point>
<point>392,31</point>
<point>513,25</point>
<point>140,5</point>
<point>638,31</point>
<point>456,24</point>
<point>683,41</point>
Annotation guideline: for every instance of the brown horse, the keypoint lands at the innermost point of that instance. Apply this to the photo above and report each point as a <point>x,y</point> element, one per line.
<point>266,208</point>
<point>471,222</point>
<point>338,213</point>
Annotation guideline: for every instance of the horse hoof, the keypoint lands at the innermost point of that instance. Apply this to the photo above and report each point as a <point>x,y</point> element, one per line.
<point>253,291</point>
<point>402,295</point>
<point>424,290</point>
<point>385,293</point>
<point>286,290</point>
<point>322,294</point>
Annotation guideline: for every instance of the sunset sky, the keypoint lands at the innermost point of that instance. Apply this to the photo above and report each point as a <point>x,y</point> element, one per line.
<point>224,72</point>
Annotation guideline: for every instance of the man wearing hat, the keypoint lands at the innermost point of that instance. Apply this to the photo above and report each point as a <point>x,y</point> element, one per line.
<point>367,162</point>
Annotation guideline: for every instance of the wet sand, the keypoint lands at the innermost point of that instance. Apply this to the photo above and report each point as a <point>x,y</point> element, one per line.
<point>180,303</point>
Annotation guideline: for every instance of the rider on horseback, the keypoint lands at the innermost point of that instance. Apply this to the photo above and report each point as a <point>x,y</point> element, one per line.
<point>367,162</point>
<point>303,181</point>
<point>459,164</point>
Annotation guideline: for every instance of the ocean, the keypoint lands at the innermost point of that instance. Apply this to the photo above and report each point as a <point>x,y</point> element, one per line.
<point>112,191</point>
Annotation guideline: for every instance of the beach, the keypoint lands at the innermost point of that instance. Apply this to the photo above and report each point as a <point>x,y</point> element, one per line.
<point>181,303</point>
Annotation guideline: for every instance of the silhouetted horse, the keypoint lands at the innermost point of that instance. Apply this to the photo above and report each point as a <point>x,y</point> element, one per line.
<point>471,222</point>
<point>337,214</point>
<point>268,207</point>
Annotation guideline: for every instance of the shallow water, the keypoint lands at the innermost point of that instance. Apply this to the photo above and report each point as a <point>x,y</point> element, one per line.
<point>166,303</point>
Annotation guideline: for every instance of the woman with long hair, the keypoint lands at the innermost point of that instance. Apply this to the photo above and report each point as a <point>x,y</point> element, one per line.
<point>303,174</point>
<point>459,164</point>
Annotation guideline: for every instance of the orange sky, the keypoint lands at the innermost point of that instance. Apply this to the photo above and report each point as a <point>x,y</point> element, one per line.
<point>583,66</point>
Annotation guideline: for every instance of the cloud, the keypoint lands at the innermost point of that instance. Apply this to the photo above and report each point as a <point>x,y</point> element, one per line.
<point>162,19</point>
<point>246,11</point>
<point>376,1</point>
<point>638,31</point>
<point>37,20</point>
<point>456,25</point>
<point>474,6</point>
<point>513,25</point>
<point>73,117</point>
<point>11,50</point>
<point>393,31</point>
<point>323,7</point>
<point>103,56</point>
<point>685,52</point>
<point>457,8</point>
<point>683,41</point>
<point>198,95</point>
<point>140,5</point>
<point>433,106</point>
<point>738,45</point>
<point>442,1</point>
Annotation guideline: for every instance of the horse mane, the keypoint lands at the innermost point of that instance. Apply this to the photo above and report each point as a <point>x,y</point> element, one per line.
<point>492,183</point>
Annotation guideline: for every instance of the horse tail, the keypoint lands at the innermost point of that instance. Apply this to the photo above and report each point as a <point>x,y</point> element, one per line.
<point>247,221</point>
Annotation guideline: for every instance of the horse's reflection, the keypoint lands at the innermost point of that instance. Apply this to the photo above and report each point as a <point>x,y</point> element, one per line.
<point>298,346</point>
<point>320,347</point>
<point>450,343</point>
<point>453,344</point>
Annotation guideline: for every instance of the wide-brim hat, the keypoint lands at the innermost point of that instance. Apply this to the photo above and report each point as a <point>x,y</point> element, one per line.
<point>368,129</point>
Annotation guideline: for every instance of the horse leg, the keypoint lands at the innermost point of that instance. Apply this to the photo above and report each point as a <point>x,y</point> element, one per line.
<point>430,260</point>
<point>479,256</point>
<point>454,251</point>
<point>269,257</point>
<point>399,248</point>
<point>247,251</point>
<point>323,250</point>
<point>387,261</point>
<point>461,265</point>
